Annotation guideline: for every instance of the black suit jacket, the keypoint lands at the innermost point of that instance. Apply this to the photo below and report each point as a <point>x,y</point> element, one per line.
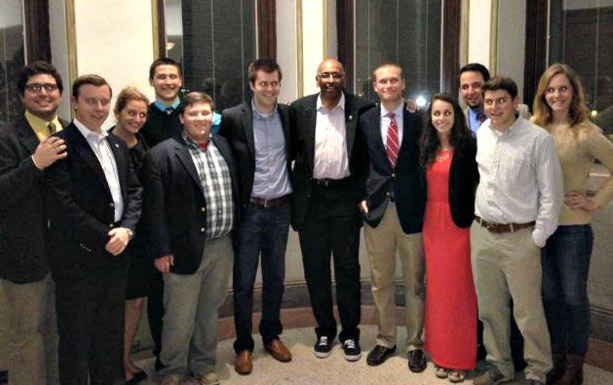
<point>24,234</point>
<point>160,126</point>
<point>405,182</point>
<point>175,208</point>
<point>463,180</point>
<point>81,206</point>
<point>303,118</point>
<point>237,128</point>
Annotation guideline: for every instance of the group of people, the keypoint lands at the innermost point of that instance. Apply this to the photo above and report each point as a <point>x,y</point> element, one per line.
<point>482,204</point>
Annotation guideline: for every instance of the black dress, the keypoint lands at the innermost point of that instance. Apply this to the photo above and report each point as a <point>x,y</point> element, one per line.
<point>141,266</point>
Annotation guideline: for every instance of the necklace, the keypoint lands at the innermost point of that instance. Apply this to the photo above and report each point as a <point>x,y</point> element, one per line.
<point>443,155</point>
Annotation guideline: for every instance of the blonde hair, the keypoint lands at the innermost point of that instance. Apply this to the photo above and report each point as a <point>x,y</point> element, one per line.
<point>578,113</point>
<point>129,94</point>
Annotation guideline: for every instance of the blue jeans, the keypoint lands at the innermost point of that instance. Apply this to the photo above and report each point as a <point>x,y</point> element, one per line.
<point>262,230</point>
<point>566,265</point>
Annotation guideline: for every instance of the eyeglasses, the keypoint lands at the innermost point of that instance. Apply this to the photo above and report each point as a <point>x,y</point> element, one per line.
<point>37,87</point>
<point>328,75</point>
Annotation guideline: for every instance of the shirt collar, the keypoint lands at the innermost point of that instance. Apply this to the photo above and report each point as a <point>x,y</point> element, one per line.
<point>397,112</point>
<point>341,103</point>
<point>192,143</point>
<point>257,112</point>
<point>86,132</point>
<point>162,107</point>
<point>35,121</point>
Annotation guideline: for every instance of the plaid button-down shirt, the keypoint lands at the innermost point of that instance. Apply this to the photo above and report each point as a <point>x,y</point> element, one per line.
<point>216,183</point>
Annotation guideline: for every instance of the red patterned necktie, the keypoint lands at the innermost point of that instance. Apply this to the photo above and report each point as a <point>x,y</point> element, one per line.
<point>391,147</point>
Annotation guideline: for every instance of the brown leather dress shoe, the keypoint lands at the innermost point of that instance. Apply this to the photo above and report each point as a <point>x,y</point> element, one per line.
<point>278,351</point>
<point>244,363</point>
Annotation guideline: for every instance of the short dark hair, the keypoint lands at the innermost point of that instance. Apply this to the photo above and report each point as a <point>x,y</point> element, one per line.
<point>501,83</point>
<point>163,61</point>
<point>265,64</point>
<point>36,68</point>
<point>476,67</point>
<point>193,98</point>
<point>90,79</point>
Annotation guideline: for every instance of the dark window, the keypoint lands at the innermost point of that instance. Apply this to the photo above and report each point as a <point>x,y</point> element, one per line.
<point>581,37</point>
<point>215,42</point>
<point>407,32</point>
<point>12,58</point>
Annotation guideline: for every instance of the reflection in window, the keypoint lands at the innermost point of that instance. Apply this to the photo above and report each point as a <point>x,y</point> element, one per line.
<point>407,32</point>
<point>215,42</point>
<point>580,36</point>
<point>11,58</point>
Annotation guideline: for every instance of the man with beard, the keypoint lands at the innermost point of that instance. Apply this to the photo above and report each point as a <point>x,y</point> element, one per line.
<point>329,173</point>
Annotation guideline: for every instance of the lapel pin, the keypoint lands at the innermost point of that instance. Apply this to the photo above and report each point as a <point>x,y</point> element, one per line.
<point>350,117</point>
<point>116,145</point>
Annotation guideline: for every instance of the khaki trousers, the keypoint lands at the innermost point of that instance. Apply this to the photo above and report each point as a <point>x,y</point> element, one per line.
<point>383,243</point>
<point>506,266</point>
<point>32,332</point>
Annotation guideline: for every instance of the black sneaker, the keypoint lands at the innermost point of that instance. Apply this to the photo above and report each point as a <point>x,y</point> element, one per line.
<point>351,349</point>
<point>323,347</point>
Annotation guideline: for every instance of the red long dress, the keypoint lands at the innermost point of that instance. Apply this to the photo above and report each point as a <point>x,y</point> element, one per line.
<point>451,301</point>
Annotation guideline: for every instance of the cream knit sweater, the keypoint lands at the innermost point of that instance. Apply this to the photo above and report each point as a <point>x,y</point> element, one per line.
<point>578,147</point>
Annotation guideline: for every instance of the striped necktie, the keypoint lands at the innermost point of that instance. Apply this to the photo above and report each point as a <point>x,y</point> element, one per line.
<point>391,147</point>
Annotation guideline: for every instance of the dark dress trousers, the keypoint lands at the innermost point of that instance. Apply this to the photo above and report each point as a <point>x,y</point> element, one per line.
<point>23,222</point>
<point>158,127</point>
<point>90,282</point>
<point>405,184</point>
<point>262,231</point>
<point>326,216</point>
<point>174,205</point>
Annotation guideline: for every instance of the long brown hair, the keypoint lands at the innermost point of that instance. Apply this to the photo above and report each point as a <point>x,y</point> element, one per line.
<point>578,112</point>
<point>429,141</point>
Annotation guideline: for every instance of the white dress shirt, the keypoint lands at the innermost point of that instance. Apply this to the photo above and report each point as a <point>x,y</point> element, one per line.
<point>386,120</point>
<point>331,161</point>
<point>520,177</point>
<point>100,146</point>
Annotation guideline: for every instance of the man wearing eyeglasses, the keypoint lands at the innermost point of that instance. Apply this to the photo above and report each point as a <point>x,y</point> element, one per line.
<point>329,172</point>
<point>258,133</point>
<point>94,203</point>
<point>26,149</point>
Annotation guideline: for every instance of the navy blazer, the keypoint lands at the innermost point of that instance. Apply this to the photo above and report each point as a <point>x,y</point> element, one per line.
<point>237,128</point>
<point>303,118</point>
<point>81,206</point>
<point>463,180</point>
<point>175,207</point>
<point>23,221</point>
<point>405,182</point>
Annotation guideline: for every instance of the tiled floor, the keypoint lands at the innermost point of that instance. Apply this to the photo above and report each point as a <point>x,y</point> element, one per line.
<point>305,368</point>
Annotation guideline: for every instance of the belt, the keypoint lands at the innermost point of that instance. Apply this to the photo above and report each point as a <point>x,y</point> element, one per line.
<point>499,228</point>
<point>330,182</point>
<point>269,203</point>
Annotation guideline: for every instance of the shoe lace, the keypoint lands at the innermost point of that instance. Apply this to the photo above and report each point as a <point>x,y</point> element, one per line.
<point>350,344</point>
<point>323,340</point>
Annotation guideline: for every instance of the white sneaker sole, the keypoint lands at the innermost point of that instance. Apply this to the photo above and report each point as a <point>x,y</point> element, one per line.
<point>322,354</point>
<point>353,358</point>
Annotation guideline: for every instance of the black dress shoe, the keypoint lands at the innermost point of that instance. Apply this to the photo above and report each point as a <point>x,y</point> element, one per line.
<point>417,361</point>
<point>138,377</point>
<point>379,354</point>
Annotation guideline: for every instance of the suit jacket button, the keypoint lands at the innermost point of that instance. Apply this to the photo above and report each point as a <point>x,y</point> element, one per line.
<point>202,230</point>
<point>112,204</point>
<point>203,209</point>
<point>393,175</point>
